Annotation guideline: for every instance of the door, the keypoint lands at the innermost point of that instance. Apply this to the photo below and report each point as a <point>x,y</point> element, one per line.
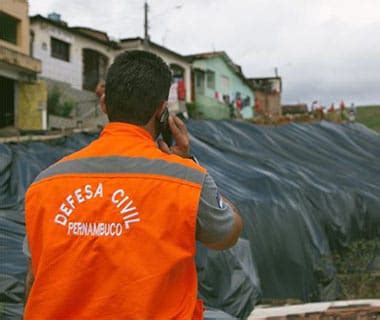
<point>7,102</point>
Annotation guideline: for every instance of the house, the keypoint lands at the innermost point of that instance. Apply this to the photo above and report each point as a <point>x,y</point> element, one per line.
<point>180,92</point>
<point>74,61</point>
<point>220,86</point>
<point>78,56</point>
<point>22,97</point>
<point>267,95</point>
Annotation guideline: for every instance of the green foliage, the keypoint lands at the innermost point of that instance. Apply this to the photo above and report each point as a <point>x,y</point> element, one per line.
<point>192,110</point>
<point>369,116</point>
<point>58,107</point>
<point>359,270</point>
<point>66,108</point>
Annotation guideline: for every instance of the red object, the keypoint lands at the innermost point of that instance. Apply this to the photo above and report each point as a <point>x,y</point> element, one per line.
<point>257,105</point>
<point>181,90</point>
<point>239,104</point>
<point>110,241</point>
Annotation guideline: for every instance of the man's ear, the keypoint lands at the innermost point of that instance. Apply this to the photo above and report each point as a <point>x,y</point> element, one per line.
<point>103,106</point>
<point>160,109</point>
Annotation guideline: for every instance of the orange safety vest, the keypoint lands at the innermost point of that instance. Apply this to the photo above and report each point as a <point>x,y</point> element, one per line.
<point>111,230</point>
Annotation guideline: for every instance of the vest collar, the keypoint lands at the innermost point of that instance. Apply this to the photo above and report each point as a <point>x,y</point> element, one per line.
<point>125,129</point>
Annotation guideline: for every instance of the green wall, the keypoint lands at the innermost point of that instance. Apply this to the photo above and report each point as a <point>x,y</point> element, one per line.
<point>209,108</point>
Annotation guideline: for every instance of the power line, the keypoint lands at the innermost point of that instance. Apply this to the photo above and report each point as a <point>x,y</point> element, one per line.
<point>164,12</point>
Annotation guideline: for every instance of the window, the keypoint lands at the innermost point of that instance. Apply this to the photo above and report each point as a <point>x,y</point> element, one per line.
<point>60,49</point>
<point>225,84</point>
<point>8,28</point>
<point>210,79</point>
<point>199,81</point>
<point>94,68</point>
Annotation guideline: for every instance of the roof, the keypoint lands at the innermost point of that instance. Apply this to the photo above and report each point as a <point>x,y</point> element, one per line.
<point>265,78</point>
<point>157,46</point>
<point>207,55</point>
<point>213,54</point>
<point>101,35</point>
<point>222,54</point>
<point>92,34</point>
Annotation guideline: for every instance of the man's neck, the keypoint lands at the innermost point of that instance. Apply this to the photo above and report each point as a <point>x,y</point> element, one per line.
<point>152,128</point>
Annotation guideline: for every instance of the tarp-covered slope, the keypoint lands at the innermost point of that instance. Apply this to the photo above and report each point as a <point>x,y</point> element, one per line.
<point>303,191</point>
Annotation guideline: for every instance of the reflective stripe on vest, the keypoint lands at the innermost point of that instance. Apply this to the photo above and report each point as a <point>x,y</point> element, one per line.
<point>122,165</point>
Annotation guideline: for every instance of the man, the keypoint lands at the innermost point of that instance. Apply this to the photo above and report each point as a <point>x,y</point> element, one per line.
<point>112,228</point>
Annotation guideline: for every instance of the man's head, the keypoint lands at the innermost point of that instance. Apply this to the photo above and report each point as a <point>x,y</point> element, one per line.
<point>137,85</point>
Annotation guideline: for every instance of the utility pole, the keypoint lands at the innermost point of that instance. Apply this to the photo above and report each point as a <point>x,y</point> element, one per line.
<point>276,72</point>
<point>146,25</point>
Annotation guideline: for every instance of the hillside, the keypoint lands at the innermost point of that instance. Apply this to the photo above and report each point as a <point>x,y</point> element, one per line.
<point>369,116</point>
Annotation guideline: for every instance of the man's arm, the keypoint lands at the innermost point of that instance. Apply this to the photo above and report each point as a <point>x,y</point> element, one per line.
<point>29,280</point>
<point>218,222</point>
<point>232,237</point>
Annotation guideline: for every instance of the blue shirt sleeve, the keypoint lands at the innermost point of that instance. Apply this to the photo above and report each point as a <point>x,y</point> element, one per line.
<point>25,247</point>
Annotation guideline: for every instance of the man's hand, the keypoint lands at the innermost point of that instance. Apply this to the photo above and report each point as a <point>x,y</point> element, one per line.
<point>181,138</point>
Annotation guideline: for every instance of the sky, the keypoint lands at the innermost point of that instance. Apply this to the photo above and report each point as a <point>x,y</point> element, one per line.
<point>325,50</point>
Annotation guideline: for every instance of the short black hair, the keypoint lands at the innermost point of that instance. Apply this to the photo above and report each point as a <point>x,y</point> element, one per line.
<point>137,82</point>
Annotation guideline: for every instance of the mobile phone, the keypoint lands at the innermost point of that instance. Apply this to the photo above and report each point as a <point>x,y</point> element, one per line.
<point>165,129</point>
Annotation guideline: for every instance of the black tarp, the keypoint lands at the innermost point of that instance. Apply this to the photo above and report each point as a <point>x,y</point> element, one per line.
<point>303,191</point>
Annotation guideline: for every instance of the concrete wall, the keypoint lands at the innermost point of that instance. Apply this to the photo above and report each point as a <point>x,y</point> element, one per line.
<point>86,113</point>
<point>85,101</point>
<point>70,72</point>
<point>31,106</point>
<point>19,10</point>
<point>167,57</point>
<point>270,103</point>
<point>23,62</point>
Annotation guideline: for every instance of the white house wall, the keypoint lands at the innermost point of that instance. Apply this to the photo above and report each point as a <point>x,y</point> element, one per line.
<point>70,72</point>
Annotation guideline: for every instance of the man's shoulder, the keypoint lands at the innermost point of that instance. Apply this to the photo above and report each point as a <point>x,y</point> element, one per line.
<point>152,161</point>
<point>79,154</point>
<point>175,166</point>
<point>187,162</point>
